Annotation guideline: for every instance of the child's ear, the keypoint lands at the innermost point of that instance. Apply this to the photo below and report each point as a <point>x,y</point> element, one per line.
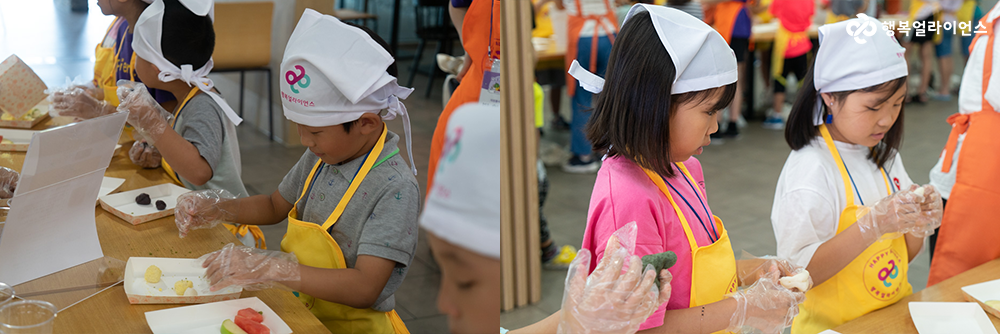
<point>369,123</point>
<point>827,99</point>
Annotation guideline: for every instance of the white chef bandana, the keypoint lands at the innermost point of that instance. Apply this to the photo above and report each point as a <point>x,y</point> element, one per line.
<point>333,73</point>
<point>855,54</point>
<point>146,44</point>
<point>463,206</point>
<point>702,58</point>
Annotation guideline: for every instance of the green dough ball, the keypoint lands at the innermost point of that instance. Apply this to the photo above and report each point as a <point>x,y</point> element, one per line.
<point>660,261</point>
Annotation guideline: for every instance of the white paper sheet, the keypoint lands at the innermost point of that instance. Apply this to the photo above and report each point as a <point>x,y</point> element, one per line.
<point>51,224</point>
<point>947,318</point>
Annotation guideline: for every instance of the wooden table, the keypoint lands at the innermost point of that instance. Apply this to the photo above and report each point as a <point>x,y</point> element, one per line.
<point>110,311</point>
<point>896,318</point>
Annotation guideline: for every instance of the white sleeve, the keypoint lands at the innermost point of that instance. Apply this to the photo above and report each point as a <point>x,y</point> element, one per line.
<point>802,221</point>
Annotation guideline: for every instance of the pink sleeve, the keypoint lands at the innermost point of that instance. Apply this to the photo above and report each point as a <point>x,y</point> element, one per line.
<point>694,166</point>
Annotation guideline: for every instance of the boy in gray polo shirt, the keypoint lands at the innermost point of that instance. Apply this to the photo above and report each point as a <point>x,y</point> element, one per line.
<point>350,196</point>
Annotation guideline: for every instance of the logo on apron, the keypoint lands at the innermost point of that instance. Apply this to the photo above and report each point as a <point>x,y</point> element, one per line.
<point>881,276</point>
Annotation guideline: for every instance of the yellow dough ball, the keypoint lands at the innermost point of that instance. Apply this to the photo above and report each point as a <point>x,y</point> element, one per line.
<point>153,274</point>
<point>182,286</point>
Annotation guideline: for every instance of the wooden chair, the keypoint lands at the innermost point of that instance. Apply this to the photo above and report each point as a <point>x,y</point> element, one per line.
<point>243,43</point>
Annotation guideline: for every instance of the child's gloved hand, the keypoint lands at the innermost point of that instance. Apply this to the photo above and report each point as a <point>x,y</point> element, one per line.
<point>898,213</point>
<point>765,306</point>
<point>75,101</point>
<point>607,301</point>
<point>8,182</point>
<point>753,268</point>
<point>250,268</point>
<point>144,113</point>
<point>144,155</point>
<point>204,209</point>
<point>931,211</point>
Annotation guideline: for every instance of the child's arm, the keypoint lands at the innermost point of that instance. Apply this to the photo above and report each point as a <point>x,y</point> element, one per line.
<point>913,246</point>
<point>708,318</point>
<point>183,157</point>
<point>208,208</point>
<point>357,287</point>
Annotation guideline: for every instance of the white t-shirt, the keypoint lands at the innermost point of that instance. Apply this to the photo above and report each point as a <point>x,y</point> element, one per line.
<point>810,194</point>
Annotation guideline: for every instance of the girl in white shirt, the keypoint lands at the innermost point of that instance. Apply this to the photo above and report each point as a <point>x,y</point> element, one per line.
<point>844,206</point>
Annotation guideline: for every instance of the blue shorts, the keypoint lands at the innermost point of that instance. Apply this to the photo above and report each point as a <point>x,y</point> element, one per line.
<point>944,49</point>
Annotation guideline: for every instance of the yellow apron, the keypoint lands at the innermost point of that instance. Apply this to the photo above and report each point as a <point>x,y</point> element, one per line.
<point>106,67</point>
<point>938,16</point>
<point>713,267</point>
<point>874,279</point>
<point>313,246</point>
<point>236,229</point>
<point>782,40</point>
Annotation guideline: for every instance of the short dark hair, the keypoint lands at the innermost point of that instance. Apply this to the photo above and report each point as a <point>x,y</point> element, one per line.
<point>631,117</point>
<point>800,131</point>
<point>187,39</point>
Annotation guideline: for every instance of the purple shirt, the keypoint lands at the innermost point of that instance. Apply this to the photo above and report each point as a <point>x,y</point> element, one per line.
<point>123,63</point>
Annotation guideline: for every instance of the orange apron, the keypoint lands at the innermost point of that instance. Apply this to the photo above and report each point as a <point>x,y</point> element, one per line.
<point>236,229</point>
<point>314,247</point>
<point>575,25</point>
<point>874,279</point>
<point>476,41</point>
<point>969,228</point>
<point>725,14</point>
<point>713,267</point>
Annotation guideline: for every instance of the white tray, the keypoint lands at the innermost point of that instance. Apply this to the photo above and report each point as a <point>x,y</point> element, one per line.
<point>982,292</point>
<point>949,318</point>
<point>15,140</point>
<point>109,185</point>
<point>123,204</point>
<point>140,292</point>
<point>207,318</point>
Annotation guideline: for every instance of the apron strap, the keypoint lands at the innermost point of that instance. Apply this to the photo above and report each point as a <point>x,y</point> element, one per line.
<point>840,163</point>
<point>367,166</point>
<point>677,209</point>
<point>163,161</point>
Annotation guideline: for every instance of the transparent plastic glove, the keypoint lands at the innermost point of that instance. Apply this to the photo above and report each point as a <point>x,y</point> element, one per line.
<point>8,182</point>
<point>753,268</point>
<point>144,155</point>
<point>144,113</point>
<point>204,209</point>
<point>609,301</point>
<point>931,211</point>
<point>248,267</point>
<point>897,213</point>
<point>765,307</point>
<point>77,102</point>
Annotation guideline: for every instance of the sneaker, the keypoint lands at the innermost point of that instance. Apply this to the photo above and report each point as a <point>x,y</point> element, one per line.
<point>732,131</point>
<point>939,97</point>
<point>562,259</point>
<point>774,122</point>
<point>576,165</point>
<point>560,123</point>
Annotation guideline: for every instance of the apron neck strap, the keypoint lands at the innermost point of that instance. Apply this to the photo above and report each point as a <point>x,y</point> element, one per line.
<point>840,163</point>
<point>367,166</point>
<point>653,176</point>
<point>177,113</point>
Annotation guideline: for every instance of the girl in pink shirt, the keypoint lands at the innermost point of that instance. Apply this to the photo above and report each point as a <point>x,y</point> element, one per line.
<point>668,76</point>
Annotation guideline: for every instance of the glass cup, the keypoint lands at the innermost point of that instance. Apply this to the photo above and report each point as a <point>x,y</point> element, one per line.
<point>6,293</point>
<point>27,317</point>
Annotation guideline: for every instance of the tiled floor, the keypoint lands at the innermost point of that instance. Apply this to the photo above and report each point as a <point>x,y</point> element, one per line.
<point>60,44</point>
<point>741,176</point>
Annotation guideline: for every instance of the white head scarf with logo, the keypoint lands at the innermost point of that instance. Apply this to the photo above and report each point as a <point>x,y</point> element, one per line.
<point>146,44</point>
<point>333,73</point>
<point>855,54</point>
<point>702,58</point>
<point>463,205</point>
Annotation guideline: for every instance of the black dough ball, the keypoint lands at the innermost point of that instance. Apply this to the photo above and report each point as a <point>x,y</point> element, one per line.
<point>160,205</point>
<point>143,199</point>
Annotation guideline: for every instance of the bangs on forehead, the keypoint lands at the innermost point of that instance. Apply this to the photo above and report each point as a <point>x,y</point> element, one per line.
<point>723,96</point>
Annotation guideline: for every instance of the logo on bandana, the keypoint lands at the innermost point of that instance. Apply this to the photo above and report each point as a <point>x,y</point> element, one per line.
<point>862,27</point>
<point>452,147</point>
<point>300,79</point>
<point>882,275</point>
